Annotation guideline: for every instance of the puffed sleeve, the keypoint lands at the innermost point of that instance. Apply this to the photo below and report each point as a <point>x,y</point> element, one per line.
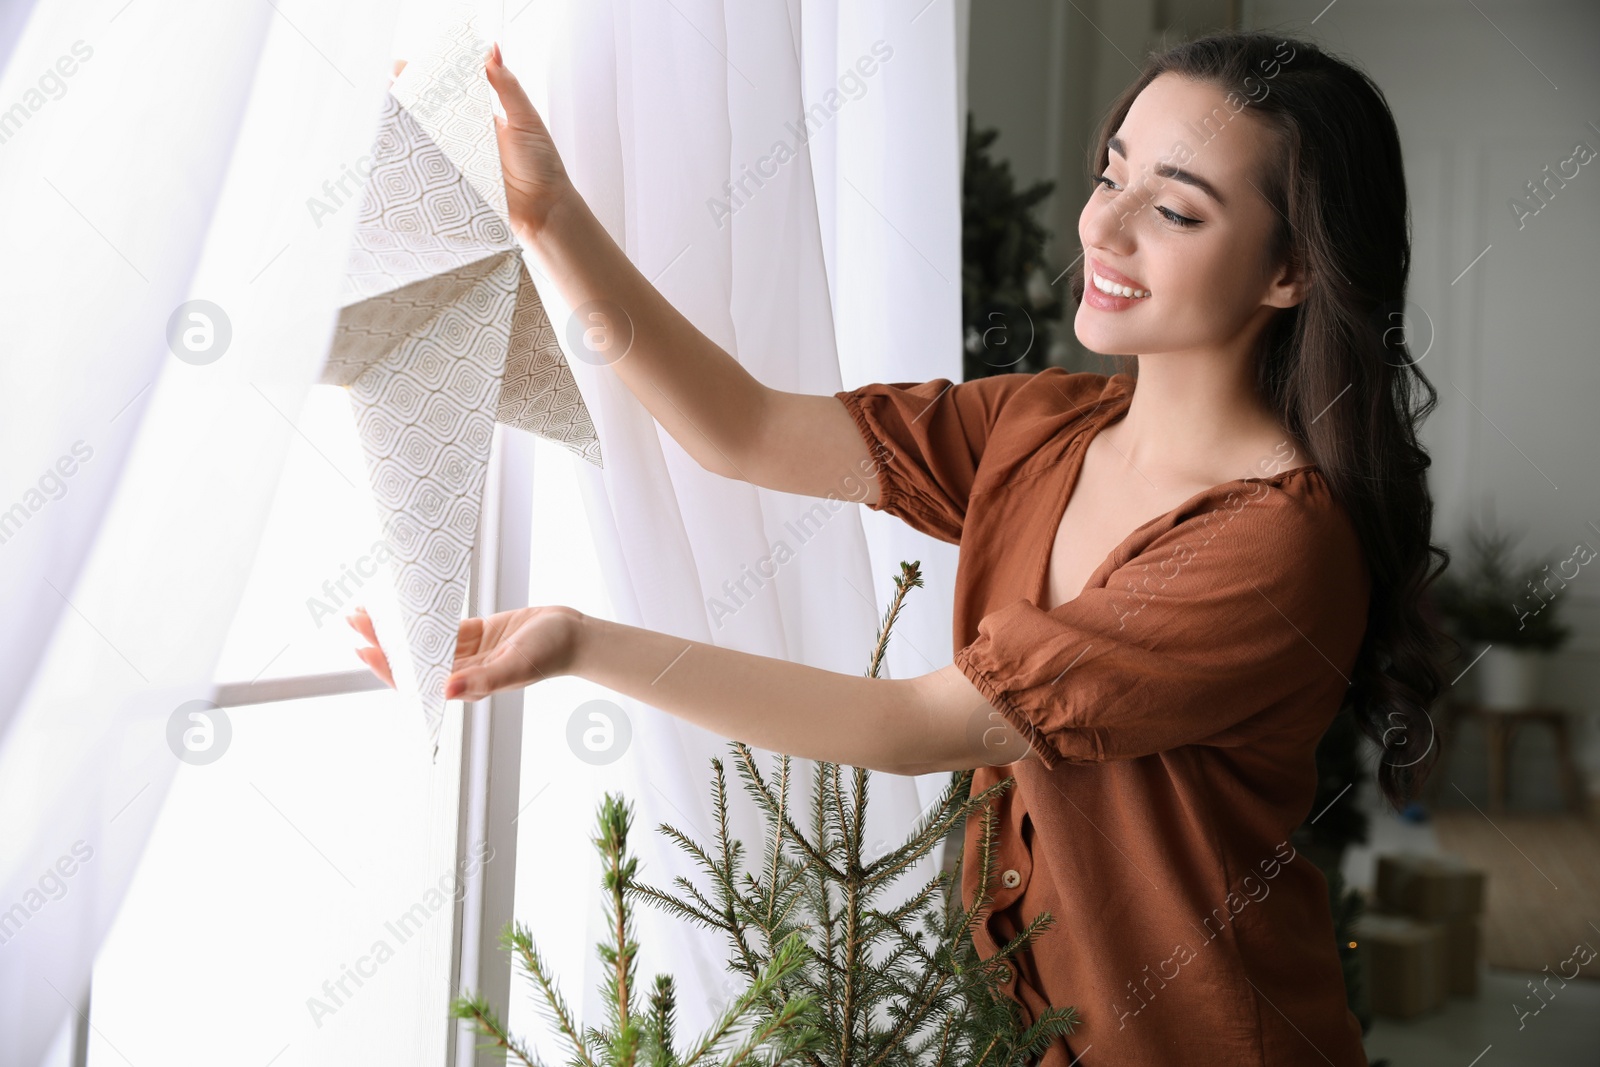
<point>1236,610</point>
<point>926,439</point>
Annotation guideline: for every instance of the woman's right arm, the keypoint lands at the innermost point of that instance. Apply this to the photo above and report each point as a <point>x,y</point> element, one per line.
<point>729,422</point>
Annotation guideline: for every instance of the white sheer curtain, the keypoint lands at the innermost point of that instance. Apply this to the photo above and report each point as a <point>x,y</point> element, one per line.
<point>172,163</point>
<point>837,266</point>
<point>175,165</point>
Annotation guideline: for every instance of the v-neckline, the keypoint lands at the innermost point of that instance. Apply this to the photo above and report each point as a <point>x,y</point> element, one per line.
<point>1077,450</point>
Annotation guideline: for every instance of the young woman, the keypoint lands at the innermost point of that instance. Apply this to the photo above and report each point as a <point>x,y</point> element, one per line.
<point>1169,584</point>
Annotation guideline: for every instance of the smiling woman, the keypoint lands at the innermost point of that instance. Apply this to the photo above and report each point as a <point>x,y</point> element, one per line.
<point>1170,583</point>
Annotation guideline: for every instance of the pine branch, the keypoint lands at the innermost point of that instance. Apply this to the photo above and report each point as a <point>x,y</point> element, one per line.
<point>688,844</point>
<point>734,912</point>
<point>658,1041</point>
<point>486,1023</point>
<point>785,961</point>
<point>619,952</point>
<point>757,788</point>
<point>781,1024</point>
<point>519,939</point>
<point>708,918</point>
<point>1051,1024</point>
<point>910,578</point>
<point>775,848</point>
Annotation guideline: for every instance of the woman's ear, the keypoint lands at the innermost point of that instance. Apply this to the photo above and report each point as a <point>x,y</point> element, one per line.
<point>1290,286</point>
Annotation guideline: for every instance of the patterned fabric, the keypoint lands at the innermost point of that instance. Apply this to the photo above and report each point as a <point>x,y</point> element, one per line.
<point>442,334</point>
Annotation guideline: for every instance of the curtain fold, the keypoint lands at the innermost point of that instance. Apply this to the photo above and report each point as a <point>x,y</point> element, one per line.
<point>173,165</point>
<point>788,176</point>
<point>891,223</point>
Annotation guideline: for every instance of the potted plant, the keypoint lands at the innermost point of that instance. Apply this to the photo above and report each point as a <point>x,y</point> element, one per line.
<point>1494,599</point>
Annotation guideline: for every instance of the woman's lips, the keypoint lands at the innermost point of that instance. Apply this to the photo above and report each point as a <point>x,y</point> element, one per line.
<point>1104,301</point>
<point>1111,274</point>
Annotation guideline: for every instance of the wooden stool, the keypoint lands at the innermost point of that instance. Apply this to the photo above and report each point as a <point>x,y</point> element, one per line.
<point>1500,731</point>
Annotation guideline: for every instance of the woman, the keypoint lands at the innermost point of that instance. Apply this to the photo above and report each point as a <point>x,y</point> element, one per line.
<point>1169,584</point>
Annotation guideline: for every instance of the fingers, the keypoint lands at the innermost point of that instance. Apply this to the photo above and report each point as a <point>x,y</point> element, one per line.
<point>379,664</point>
<point>469,638</point>
<point>479,680</point>
<point>373,655</point>
<point>468,683</point>
<point>518,108</point>
<point>361,623</point>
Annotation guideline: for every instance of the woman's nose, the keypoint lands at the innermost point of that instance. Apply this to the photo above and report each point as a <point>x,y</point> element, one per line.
<point>1109,220</point>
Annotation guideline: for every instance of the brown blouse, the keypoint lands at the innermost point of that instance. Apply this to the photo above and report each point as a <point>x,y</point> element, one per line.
<point>1175,706</point>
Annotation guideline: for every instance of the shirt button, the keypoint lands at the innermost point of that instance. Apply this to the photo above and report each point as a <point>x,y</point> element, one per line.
<point>1011,879</point>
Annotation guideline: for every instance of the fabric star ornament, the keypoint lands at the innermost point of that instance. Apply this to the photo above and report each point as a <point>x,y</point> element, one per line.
<point>441,334</point>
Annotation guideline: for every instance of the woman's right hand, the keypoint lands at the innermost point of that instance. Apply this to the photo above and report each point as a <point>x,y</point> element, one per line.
<point>536,180</point>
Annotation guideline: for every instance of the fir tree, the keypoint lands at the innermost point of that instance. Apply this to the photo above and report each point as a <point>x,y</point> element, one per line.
<point>1009,306</point>
<point>644,1035</point>
<point>1347,906</point>
<point>1337,823</point>
<point>900,986</point>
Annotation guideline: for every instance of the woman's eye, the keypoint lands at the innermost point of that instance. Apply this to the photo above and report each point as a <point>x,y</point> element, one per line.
<point>1177,219</point>
<point>1171,216</point>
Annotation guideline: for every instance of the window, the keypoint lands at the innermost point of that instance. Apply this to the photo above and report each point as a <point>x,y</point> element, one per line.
<point>318,892</point>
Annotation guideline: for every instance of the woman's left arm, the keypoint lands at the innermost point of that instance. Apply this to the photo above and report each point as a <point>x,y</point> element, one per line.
<point>932,722</point>
<point>937,721</point>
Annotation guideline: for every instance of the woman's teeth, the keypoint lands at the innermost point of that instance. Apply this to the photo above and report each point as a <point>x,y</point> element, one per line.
<point>1113,289</point>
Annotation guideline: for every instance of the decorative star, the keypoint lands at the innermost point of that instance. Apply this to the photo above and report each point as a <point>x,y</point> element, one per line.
<point>441,335</point>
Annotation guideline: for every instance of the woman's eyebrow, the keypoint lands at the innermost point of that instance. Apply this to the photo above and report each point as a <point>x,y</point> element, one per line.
<point>1177,174</point>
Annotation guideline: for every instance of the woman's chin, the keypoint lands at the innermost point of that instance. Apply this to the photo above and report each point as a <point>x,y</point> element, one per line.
<point>1099,336</point>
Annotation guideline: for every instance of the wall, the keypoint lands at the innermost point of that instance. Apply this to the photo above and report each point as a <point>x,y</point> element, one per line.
<point>1485,99</point>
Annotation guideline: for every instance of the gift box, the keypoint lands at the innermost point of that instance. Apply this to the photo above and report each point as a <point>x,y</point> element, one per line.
<point>1443,890</point>
<point>1429,887</point>
<point>1463,936</point>
<point>1405,961</point>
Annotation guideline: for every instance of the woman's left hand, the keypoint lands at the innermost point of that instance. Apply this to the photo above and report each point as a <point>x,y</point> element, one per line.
<point>506,650</point>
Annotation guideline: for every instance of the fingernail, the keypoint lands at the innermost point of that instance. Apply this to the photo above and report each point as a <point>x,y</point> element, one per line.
<point>496,52</point>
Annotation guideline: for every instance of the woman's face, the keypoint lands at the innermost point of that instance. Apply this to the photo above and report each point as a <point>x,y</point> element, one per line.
<point>1200,254</point>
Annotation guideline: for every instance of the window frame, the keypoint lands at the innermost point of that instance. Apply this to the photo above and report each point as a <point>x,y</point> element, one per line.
<point>478,767</point>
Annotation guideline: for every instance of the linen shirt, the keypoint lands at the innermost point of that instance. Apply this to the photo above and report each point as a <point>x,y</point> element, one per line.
<point>1175,706</point>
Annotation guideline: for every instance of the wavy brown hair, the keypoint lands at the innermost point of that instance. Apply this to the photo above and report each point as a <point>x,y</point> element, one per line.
<point>1336,367</point>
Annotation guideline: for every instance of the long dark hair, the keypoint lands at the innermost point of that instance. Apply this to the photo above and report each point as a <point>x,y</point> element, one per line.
<point>1336,368</point>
